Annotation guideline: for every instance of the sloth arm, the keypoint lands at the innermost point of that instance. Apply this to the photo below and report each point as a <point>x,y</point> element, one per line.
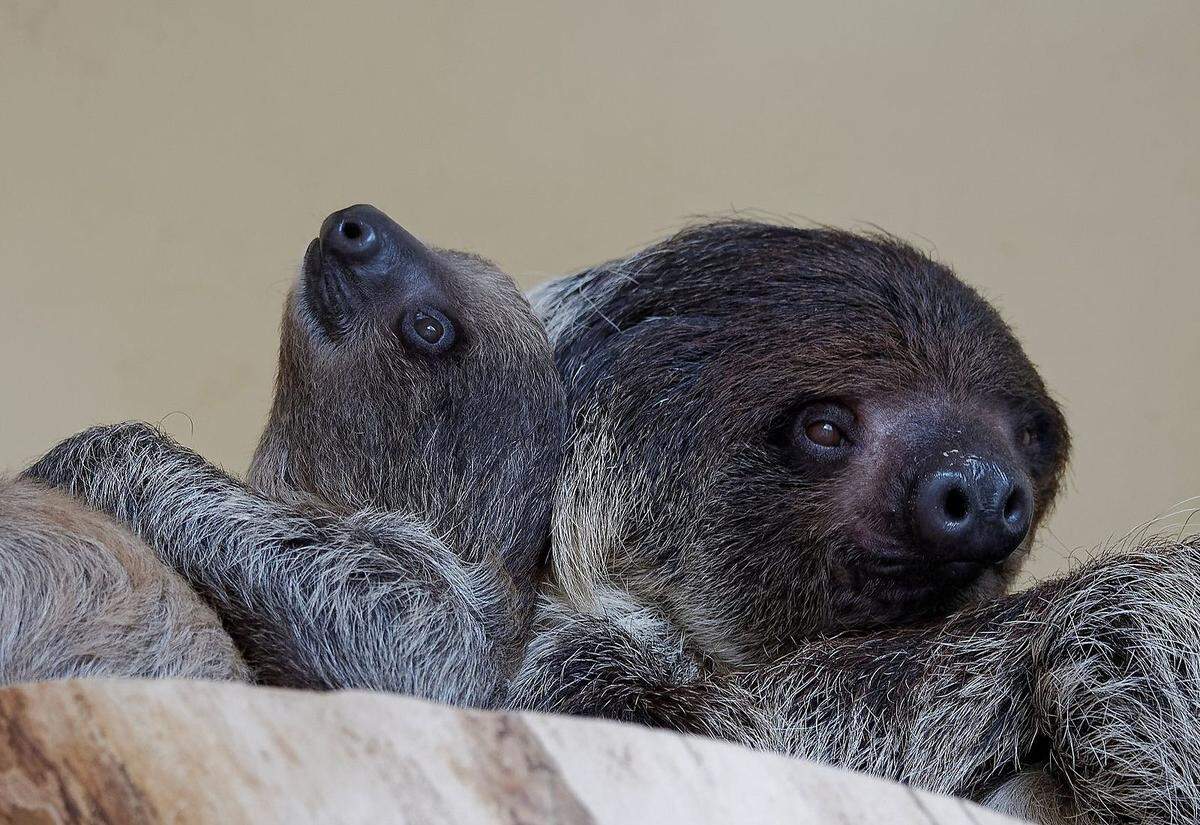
<point>1093,678</point>
<point>370,600</point>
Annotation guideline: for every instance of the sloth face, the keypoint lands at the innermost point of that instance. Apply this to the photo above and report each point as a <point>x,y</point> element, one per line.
<point>802,431</point>
<point>365,277</point>
<point>410,378</point>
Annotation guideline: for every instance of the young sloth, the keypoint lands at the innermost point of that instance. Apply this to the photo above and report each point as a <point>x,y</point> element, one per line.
<point>395,527</point>
<point>80,596</point>
<point>789,443</point>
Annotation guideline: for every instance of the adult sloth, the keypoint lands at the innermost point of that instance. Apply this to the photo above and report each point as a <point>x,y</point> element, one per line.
<point>794,452</point>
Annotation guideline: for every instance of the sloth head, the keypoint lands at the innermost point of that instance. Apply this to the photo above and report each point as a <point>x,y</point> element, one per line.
<point>412,379</point>
<point>782,432</point>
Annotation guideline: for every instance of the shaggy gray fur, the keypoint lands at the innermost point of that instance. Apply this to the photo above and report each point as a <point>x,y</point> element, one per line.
<point>388,542</point>
<point>1069,702</point>
<point>395,528</point>
<point>82,596</point>
<point>1076,701</point>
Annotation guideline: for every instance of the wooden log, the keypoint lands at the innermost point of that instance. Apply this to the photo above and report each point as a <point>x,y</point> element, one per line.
<point>132,752</point>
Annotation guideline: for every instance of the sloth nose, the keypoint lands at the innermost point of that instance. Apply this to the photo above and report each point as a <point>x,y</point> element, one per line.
<point>971,509</point>
<point>351,234</point>
<point>372,246</point>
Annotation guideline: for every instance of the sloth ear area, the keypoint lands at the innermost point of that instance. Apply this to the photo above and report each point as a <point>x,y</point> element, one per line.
<point>615,347</point>
<point>632,328</point>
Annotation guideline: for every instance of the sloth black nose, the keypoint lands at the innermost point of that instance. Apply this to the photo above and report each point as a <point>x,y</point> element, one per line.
<point>971,509</point>
<point>365,265</point>
<point>351,233</point>
<point>371,245</point>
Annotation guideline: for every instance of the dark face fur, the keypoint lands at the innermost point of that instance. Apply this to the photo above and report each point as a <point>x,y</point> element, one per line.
<point>800,431</point>
<point>417,380</point>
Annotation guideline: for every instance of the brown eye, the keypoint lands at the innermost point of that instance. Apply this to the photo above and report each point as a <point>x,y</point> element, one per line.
<point>825,434</point>
<point>427,330</point>
<point>822,432</point>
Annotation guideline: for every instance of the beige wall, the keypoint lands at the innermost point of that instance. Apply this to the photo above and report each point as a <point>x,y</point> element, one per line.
<point>164,163</point>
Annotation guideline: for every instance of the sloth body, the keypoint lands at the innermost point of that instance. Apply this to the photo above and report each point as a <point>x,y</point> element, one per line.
<point>393,531</point>
<point>715,572</point>
<point>743,540</point>
<point>83,596</point>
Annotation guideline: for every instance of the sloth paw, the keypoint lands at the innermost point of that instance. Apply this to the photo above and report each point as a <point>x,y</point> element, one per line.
<point>93,464</point>
<point>1118,688</point>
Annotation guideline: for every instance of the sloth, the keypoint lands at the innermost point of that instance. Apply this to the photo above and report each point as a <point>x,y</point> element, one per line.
<point>804,465</point>
<point>394,527</point>
<point>802,432</point>
<point>83,596</point>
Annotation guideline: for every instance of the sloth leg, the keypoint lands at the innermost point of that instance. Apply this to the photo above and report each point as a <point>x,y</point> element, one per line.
<point>1117,687</point>
<point>587,665</point>
<point>366,601</point>
<point>1077,699</point>
<point>862,703</point>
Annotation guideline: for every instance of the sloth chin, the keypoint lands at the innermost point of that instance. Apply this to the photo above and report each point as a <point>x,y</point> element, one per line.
<point>895,589</point>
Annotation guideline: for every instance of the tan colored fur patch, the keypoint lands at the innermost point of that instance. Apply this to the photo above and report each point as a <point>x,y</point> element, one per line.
<point>86,597</point>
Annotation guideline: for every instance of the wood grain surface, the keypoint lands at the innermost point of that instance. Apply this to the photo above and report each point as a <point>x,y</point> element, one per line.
<point>132,752</point>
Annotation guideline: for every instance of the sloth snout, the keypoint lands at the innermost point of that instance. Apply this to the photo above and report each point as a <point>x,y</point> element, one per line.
<point>351,233</point>
<point>971,509</point>
<point>371,248</point>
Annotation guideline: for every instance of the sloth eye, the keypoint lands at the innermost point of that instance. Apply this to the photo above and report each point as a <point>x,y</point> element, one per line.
<point>823,430</point>
<point>825,434</point>
<point>427,330</point>
<point>1034,436</point>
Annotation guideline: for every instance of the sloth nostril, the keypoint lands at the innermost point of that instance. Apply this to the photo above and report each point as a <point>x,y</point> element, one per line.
<point>351,230</point>
<point>956,504</point>
<point>1014,505</point>
<point>977,514</point>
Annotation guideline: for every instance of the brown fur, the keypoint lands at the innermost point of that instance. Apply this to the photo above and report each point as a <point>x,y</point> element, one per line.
<point>83,596</point>
<point>686,366</point>
<point>393,533</point>
<point>710,579</point>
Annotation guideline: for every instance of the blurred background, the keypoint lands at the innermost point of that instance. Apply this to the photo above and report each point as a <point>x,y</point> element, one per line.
<point>165,163</point>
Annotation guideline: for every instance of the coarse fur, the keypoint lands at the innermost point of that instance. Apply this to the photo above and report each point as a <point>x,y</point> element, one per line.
<point>685,366</point>
<point>707,582</point>
<point>394,530</point>
<point>82,596</point>
<point>706,579</point>
<point>1075,701</point>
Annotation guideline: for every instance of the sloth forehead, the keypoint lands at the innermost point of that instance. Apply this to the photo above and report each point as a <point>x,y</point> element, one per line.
<point>786,302</point>
<point>780,271</point>
<point>761,270</point>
